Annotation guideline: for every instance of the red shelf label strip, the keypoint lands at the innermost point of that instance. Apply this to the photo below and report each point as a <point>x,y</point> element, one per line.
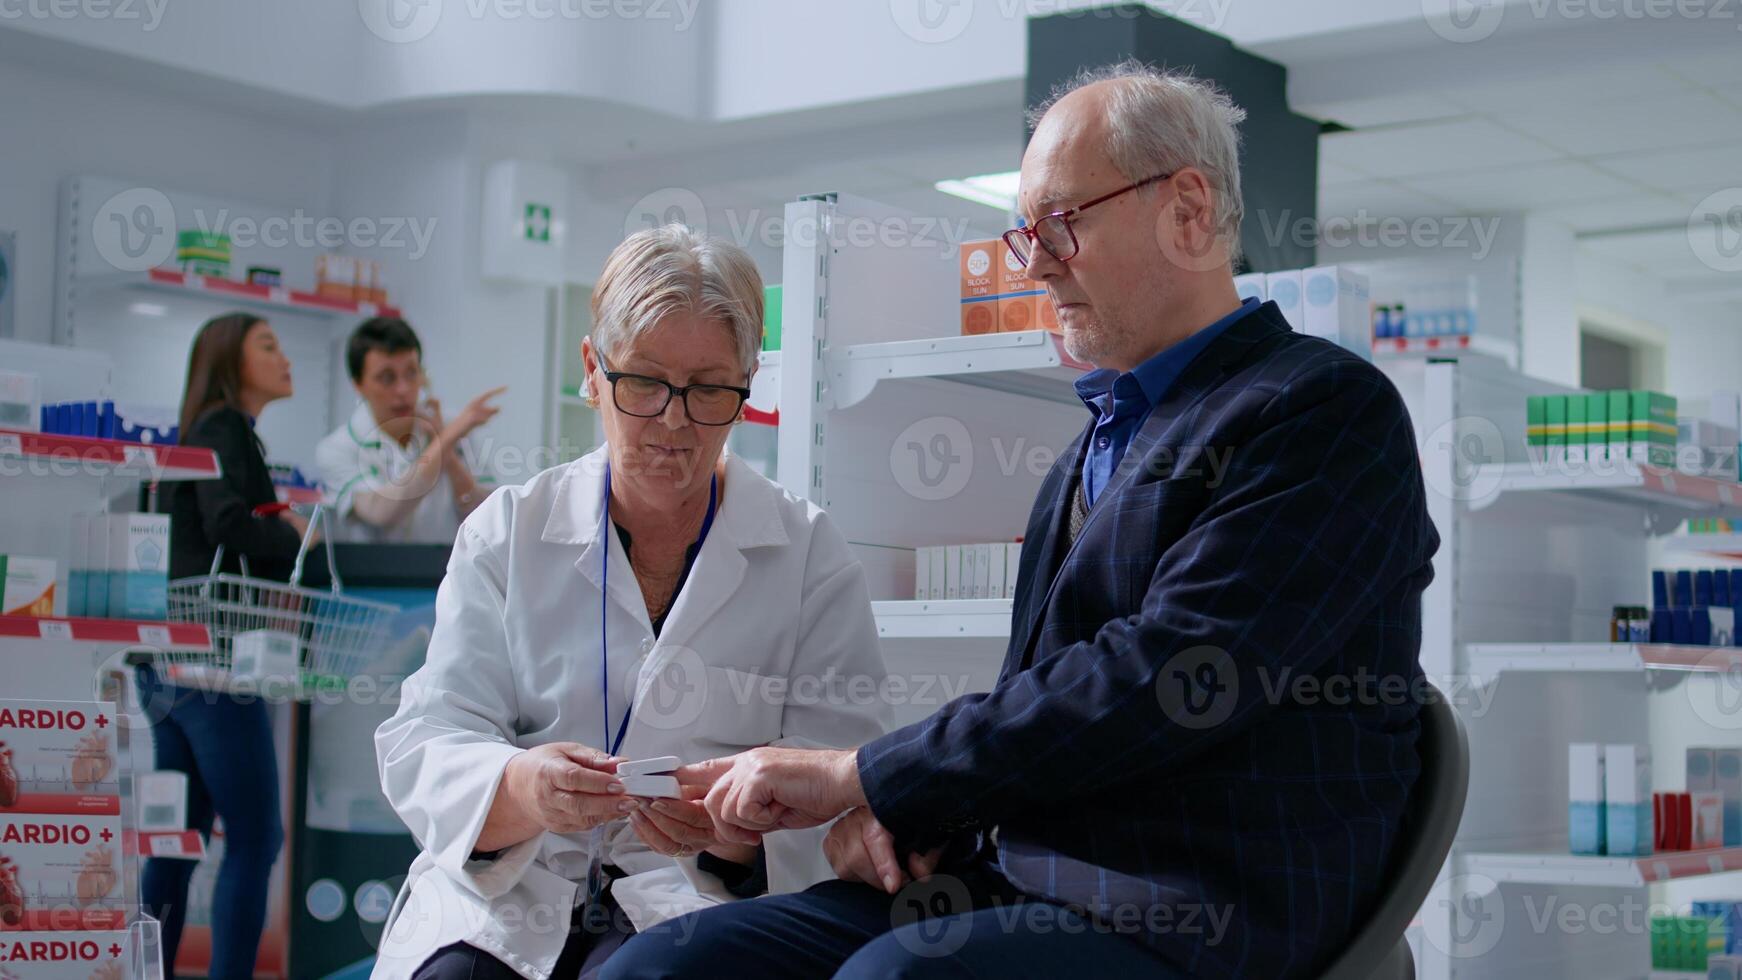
<point>124,631</point>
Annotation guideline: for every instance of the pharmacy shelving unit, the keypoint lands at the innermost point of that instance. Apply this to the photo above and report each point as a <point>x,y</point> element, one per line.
<point>44,480</point>
<point>1386,348</point>
<point>116,290</point>
<point>961,619</point>
<point>1532,558</point>
<point>1726,546</point>
<point>25,453</point>
<point>263,299</point>
<point>1490,660</point>
<point>909,434</point>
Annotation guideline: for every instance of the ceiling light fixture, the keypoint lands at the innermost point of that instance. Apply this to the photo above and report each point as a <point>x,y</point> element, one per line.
<point>993,190</point>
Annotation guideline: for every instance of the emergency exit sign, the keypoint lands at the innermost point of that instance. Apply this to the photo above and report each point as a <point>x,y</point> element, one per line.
<point>537,223</point>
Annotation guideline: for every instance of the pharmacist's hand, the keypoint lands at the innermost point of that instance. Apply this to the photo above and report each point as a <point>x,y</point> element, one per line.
<point>566,787</point>
<point>675,828</point>
<point>477,412</point>
<point>429,416</point>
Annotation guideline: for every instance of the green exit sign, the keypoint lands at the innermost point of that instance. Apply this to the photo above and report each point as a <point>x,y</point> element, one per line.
<point>537,222</point>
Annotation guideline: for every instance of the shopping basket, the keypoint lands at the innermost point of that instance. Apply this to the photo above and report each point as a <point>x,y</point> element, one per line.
<point>335,635</point>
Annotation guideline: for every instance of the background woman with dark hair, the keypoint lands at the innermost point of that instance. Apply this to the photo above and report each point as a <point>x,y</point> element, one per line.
<point>224,743</point>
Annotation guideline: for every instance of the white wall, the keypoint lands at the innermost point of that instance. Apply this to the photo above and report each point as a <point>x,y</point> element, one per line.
<point>1547,309</point>
<point>425,168</point>
<point>1704,349</point>
<point>476,335</point>
<point>57,125</point>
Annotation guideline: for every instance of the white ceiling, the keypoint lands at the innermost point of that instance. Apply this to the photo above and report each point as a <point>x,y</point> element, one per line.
<point>1622,154</point>
<point>1620,146</point>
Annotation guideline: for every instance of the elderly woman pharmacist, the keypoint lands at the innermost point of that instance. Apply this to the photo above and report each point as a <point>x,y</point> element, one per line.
<point>628,605</point>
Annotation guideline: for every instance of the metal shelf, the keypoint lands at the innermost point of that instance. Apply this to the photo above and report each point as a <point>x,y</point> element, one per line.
<point>272,299</point>
<point>1031,363</point>
<point>912,619</point>
<point>108,632</point>
<point>1720,545</point>
<point>1678,495</point>
<point>68,456</point>
<point>1488,659</point>
<point>1419,347</point>
<point>1613,872</point>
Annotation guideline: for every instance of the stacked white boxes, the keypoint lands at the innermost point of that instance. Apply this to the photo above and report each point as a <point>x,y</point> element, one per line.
<point>966,571</point>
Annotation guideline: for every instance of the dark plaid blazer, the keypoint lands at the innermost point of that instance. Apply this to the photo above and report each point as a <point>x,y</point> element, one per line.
<point>1205,725</point>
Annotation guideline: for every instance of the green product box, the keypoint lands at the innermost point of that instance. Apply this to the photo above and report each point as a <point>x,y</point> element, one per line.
<point>206,267</point>
<point>1651,422</point>
<point>1576,428</point>
<point>771,317</point>
<point>1619,431</point>
<point>1535,428</point>
<point>1597,428</point>
<point>1555,423</point>
<point>1662,934</point>
<point>193,244</point>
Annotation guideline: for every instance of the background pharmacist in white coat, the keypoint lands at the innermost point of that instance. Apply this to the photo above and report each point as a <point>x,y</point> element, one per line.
<point>396,467</point>
<point>654,598</point>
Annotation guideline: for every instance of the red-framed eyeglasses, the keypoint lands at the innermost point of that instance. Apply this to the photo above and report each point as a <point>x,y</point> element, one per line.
<point>1053,231</point>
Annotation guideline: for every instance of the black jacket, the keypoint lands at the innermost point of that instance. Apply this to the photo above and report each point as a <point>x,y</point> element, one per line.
<point>207,513</point>
<point>1148,751</point>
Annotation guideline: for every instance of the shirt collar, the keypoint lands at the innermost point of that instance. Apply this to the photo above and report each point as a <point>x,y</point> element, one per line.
<point>1140,389</point>
<point>367,433</point>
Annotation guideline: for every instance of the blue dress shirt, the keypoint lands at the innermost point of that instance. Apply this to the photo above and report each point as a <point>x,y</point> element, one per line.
<point>1121,402</point>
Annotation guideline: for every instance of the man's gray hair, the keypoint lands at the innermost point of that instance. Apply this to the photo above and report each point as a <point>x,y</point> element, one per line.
<point>1159,121</point>
<point>672,269</point>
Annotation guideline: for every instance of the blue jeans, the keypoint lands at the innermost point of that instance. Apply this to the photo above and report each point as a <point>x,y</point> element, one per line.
<point>224,744</point>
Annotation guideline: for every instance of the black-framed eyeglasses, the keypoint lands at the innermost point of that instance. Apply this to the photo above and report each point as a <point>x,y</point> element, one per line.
<point>647,398</point>
<point>1053,231</point>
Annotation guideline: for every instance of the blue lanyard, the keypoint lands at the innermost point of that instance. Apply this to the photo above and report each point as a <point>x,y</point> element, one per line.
<point>606,531</point>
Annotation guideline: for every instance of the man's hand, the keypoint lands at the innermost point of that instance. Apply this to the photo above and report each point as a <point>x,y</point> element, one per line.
<point>767,789</point>
<point>861,849</point>
<point>477,412</point>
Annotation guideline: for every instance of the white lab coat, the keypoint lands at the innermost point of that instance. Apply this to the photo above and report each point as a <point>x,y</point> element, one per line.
<point>356,458</point>
<point>514,662</point>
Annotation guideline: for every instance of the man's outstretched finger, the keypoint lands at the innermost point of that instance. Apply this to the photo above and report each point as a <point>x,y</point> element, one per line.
<point>703,774</point>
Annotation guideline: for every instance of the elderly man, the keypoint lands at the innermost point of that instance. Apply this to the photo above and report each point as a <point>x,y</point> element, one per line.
<point>1149,789</point>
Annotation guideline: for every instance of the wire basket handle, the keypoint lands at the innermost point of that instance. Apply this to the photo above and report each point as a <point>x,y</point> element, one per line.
<point>316,520</point>
<point>267,510</point>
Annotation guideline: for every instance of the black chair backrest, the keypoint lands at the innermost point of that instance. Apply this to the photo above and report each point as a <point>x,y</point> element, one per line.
<point>1430,822</point>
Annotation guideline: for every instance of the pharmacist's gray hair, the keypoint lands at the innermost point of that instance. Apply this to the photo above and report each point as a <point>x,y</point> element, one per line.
<point>672,269</point>
<point>1159,121</point>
